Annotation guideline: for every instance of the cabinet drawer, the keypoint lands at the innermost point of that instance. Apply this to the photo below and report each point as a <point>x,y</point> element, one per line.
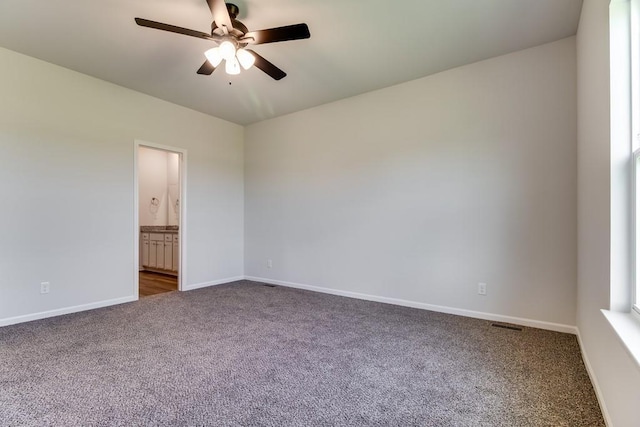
<point>168,238</point>
<point>156,236</point>
<point>175,237</point>
<point>145,236</point>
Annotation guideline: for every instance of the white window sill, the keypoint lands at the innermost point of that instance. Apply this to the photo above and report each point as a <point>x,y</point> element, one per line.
<point>627,327</point>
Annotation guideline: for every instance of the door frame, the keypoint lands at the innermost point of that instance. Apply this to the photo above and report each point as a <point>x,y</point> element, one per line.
<point>182,230</point>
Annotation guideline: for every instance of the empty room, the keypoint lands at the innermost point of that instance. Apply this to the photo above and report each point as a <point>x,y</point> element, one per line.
<point>313,213</point>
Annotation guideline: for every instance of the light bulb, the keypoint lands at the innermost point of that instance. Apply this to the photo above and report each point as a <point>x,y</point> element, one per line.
<point>246,58</point>
<point>232,66</point>
<point>213,56</point>
<point>227,50</point>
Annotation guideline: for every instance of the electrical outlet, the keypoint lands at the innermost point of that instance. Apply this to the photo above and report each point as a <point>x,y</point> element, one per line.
<point>269,263</point>
<point>482,289</point>
<point>44,287</point>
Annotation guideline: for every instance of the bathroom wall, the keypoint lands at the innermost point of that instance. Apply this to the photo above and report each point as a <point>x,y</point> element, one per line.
<point>173,189</point>
<point>158,180</point>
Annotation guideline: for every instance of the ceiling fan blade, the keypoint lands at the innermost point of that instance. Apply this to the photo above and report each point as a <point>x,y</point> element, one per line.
<point>280,34</point>
<point>173,29</point>
<point>220,13</point>
<point>266,66</point>
<point>206,69</point>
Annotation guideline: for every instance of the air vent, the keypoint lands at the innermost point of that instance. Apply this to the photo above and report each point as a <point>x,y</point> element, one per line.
<point>504,326</point>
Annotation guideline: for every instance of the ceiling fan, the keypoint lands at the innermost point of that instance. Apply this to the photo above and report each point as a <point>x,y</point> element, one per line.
<point>232,38</point>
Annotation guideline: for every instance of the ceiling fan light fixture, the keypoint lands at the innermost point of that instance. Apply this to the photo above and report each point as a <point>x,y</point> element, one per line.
<point>227,50</point>
<point>213,56</point>
<point>232,36</point>
<point>232,66</point>
<point>245,58</point>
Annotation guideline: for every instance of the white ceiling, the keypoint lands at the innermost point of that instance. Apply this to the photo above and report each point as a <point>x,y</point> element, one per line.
<point>356,45</point>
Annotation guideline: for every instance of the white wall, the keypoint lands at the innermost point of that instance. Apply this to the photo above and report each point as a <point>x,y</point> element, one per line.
<point>173,189</point>
<point>159,178</point>
<point>422,190</point>
<point>153,184</point>
<point>66,180</point>
<point>616,375</point>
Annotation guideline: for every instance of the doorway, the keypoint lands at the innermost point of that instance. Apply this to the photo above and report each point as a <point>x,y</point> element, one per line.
<point>159,218</point>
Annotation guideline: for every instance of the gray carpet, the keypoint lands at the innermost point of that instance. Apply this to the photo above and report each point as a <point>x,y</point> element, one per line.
<point>244,354</point>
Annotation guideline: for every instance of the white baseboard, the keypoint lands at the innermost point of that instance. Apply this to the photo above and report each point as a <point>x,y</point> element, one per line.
<point>213,283</point>
<point>67,310</point>
<point>395,301</point>
<point>558,327</point>
<point>84,307</point>
<point>594,382</point>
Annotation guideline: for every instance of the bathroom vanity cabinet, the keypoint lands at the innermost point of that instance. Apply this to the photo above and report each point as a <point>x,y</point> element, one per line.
<point>160,251</point>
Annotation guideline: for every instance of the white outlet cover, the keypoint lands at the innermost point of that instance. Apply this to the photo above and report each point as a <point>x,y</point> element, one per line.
<point>482,288</point>
<point>44,287</point>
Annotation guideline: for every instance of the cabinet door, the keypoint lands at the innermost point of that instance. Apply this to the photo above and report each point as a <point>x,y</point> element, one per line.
<point>168,250</point>
<point>159,254</point>
<point>176,255</point>
<point>153,253</point>
<point>145,253</point>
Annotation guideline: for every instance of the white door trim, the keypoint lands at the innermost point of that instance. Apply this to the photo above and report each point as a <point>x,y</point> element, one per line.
<point>182,227</point>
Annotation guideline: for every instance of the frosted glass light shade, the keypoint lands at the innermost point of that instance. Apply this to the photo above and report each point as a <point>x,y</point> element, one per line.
<point>213,56</point>
<point>227,50</point>
<point>232,66</point>
<point>245,58</point>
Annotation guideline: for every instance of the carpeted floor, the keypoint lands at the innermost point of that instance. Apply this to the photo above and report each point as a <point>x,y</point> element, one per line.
<point>245,354</point>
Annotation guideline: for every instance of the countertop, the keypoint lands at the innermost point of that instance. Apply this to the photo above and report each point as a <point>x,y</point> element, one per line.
<point>173,229</point>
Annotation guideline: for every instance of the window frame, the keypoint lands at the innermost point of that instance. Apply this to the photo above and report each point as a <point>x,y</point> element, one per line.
<point>634,81</point>
<point>635,227</point>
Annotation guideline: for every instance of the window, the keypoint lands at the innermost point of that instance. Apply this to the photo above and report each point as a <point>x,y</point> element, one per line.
<point>624,46</point>
<point>634,143</point>
<point>635,297</point>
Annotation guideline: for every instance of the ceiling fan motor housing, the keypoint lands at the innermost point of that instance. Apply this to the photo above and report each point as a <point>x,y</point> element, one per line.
<point>238,30</point>
<point>233,10</point>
